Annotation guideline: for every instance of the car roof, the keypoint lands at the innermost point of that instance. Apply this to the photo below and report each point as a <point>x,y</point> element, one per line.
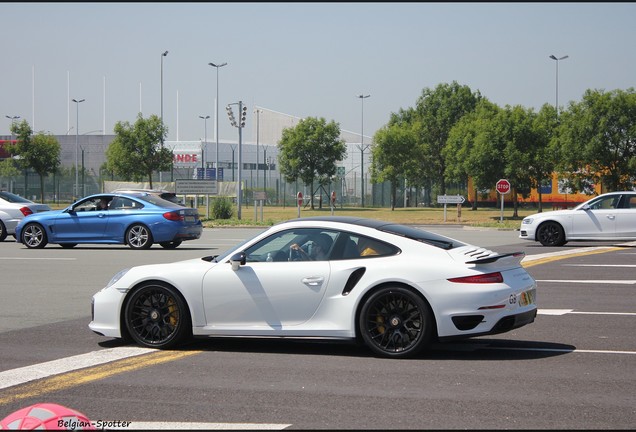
<point>142,190</point>
<point>397,229</point>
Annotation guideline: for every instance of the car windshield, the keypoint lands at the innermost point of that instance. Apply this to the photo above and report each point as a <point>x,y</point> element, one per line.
<point>13,198</point>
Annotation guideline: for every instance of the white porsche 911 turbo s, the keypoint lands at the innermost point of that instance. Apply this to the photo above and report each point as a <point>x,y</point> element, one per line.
<point>393,287</point>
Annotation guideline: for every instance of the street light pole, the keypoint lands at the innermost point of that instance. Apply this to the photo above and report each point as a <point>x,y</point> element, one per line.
<point>362,149</point>
<point>165,53</point>
<point>258,111</point>
<point>216,115</point>
<point>205,140</point>
<point>77,102</point>
<point>557,79</point>
<point>240,124</point>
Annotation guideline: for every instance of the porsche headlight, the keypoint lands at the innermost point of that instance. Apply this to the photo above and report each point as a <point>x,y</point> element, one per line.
<point>117,277</point>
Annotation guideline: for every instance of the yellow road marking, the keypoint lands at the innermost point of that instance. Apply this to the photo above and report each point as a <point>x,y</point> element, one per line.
<point>84,376</point>
<point>560,257</point>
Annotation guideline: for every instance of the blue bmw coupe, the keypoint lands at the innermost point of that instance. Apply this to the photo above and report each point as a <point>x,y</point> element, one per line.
<point>135,219</point>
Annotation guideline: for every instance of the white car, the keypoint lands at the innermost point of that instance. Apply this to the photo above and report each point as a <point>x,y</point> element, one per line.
<point>610,216</point>
<point>393,287</point>
<point>14,208</point>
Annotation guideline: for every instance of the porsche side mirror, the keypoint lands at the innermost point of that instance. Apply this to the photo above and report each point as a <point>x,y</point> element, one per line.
<point>237,260</point>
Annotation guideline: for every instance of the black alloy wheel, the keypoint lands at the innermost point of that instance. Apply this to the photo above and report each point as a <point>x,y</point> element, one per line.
<point>157,317</point>
<point>34,236</point>
<point>395,322</point>
<point>3,232</point>
<point>551,234</point>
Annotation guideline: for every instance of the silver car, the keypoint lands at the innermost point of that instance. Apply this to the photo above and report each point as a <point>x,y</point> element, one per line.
<point>13,208</point>
<point>610,216</point>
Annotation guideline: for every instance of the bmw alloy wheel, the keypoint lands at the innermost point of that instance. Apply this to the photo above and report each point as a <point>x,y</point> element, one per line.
<point>138,236</point>
<point>34,236</point>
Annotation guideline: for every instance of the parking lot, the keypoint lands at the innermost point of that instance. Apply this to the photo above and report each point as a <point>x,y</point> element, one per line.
<point>571,369</point>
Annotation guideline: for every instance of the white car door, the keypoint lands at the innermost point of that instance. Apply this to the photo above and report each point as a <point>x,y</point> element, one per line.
<point>598,220</point>
<point>263,295</point>
<point>626,218</point>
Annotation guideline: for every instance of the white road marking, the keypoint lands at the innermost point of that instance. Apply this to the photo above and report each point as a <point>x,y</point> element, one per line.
<point>562,350</point>
<point>600,265</point>
<point>45,259</point>
<point>554,311</point>
<point>622,282</point>
<point>203,426</point>
<point>572,311</point>
<point>44,370</point>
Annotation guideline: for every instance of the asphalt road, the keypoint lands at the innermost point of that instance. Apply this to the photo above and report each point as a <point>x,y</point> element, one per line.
<point>571,369</point>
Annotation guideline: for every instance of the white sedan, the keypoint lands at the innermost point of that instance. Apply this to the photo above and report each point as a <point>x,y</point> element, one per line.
<point>610,216</point>
<point>393,287</point>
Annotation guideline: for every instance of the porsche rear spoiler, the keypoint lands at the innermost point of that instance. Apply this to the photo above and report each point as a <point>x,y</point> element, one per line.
<point>493,258</point>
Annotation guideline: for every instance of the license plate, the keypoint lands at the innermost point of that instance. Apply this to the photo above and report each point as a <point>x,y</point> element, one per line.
<point>189,219</point>
<point>527,298</point>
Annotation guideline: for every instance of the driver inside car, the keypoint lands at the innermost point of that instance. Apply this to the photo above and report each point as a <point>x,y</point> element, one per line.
<point>319,248</point>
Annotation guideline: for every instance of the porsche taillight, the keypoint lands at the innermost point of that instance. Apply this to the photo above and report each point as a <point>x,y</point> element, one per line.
<point>479,279</point>
<point>26,211</point>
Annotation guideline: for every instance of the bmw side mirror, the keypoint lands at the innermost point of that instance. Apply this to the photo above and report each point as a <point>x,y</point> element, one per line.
<point>237,260</point>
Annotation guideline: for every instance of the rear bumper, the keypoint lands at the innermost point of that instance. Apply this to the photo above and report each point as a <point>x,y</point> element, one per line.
<point>504,325</point>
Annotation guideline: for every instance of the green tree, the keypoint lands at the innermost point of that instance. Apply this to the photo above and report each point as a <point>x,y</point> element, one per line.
<point>136,151</point>
<point>520,144</point>
<point>542,163</point>
<point>394,155</point>
<point>598,141</point>
<point>40,152</point>
<point>8,168</point>
<point>474,150</point>
<point>309,151</point>
<point>438,111</point>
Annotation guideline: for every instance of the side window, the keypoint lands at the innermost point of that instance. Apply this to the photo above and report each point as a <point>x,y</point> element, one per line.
<point>307,244</point>
<point>628,201</point>
<point>121,203</point>
<point>351,246</point>
<point>605,203</point>
<point>92,204</point>
<point>370,247</point>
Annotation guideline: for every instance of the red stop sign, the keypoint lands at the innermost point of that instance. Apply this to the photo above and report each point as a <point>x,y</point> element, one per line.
<point>503,186</point>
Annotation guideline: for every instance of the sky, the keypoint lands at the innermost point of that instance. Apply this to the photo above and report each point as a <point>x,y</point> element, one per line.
<point>302,59</point>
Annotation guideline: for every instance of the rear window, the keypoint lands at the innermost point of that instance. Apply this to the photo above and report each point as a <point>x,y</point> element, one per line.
<point>154,199</point>
<point>422,236</point>
<point>13,198</point>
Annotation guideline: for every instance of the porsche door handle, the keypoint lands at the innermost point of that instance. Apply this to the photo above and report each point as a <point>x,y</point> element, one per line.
<point>313,280</point>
